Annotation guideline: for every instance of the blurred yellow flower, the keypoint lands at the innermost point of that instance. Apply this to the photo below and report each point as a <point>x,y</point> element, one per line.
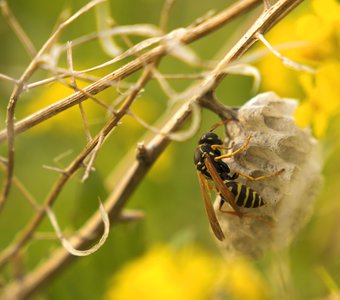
<point>67,121</point>
<point>70,120</point>
<point>242,281</point>
<point>275,76</point>
<point>166,274</point>
<point>185,274</point>
<point>319,27</point>
<point>322,101</point>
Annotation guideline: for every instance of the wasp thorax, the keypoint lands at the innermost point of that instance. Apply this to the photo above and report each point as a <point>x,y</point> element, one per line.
<point>276,143</point>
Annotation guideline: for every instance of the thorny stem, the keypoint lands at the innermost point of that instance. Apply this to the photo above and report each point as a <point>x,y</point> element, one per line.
<point>72,168</point>
<point>96,87</point>
<point>139,167</point>
<point>101,84</point>
<point>190,36</point>
<point>164,19</point>
<point>12,21</point>
<point>16,94</point>
<point>268,19</point>
<point>74,83</point>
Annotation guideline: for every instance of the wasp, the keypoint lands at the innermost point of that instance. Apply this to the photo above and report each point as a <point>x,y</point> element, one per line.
<point>209,164</point>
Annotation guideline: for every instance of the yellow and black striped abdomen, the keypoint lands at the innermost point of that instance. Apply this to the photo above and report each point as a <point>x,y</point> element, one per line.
<point>244,196</point>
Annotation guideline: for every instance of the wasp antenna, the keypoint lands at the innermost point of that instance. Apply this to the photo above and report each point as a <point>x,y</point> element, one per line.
<point>223,122</point>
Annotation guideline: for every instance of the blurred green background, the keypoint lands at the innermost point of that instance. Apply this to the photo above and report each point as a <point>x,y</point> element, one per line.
<point>170,194</point>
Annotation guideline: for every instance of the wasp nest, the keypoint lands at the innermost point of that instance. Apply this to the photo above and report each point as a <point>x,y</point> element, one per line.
<point>276,143</point>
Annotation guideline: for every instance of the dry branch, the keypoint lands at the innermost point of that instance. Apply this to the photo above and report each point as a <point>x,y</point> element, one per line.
<point>16,27</point>
<point>71,169</point>
<point>138,169</point>
<point>190,36</point>
<point>33,66</point>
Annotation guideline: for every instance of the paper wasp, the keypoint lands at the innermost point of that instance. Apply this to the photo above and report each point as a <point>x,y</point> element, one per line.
<point>209,164</point>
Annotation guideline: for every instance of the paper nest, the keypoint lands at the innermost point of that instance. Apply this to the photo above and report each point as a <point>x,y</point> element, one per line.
<point>277,143</point>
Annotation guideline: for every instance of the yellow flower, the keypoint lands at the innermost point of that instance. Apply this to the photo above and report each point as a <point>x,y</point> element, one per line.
<point>319,27</point>
<point>166,274</point>
<point>322,102</point>
<point>70,121</point>
<point>67,121</point>
<point>185,274</point>
<point>242,281</point>
<point>275,76</point>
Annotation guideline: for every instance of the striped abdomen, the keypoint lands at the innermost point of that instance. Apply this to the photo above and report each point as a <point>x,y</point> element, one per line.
<point>244,196</point>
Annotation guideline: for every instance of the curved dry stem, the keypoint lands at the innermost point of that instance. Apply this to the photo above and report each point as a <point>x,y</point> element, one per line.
<point>186,36</point>
<point>67,245</point>
<point>146,30</point>
<point>16,94</point>
<point>192,34</point>
<point>17,29</point>
<point>181,136</point>
<point>104,21</point>
<point>164,19</point>
<point>8,78</point>
<point>92,157</point>
<point>151,151</point>
<point>285,60</point>
<point>246,70</point>
<point>27,233</point>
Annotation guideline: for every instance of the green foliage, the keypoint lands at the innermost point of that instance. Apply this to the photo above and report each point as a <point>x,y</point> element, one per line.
<point>170,195</point>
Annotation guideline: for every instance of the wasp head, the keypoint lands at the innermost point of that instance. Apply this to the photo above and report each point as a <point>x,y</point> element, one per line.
<point>210,138</point>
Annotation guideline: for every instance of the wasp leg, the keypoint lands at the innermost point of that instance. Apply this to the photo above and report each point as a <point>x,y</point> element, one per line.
<point>250,178</point>
<point>223,147</point>
<point>246,215</point>
<point>234,213</point>
<point>245,145</point>
<point>261,219</point>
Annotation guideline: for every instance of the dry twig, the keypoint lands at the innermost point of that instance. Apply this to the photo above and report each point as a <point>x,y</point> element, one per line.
<point>114,204</point>
<point>17,29</point>
<point>18,90</point>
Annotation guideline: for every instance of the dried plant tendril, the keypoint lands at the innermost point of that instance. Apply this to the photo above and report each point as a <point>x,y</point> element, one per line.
<point>276,143</point>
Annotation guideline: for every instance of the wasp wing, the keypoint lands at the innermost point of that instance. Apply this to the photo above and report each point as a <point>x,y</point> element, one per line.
<point>215,225</point>
<point>226,194</point>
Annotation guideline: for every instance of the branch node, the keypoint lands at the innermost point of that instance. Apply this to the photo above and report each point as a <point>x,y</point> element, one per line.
<point>58,170</point>
<point>143,154</point>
